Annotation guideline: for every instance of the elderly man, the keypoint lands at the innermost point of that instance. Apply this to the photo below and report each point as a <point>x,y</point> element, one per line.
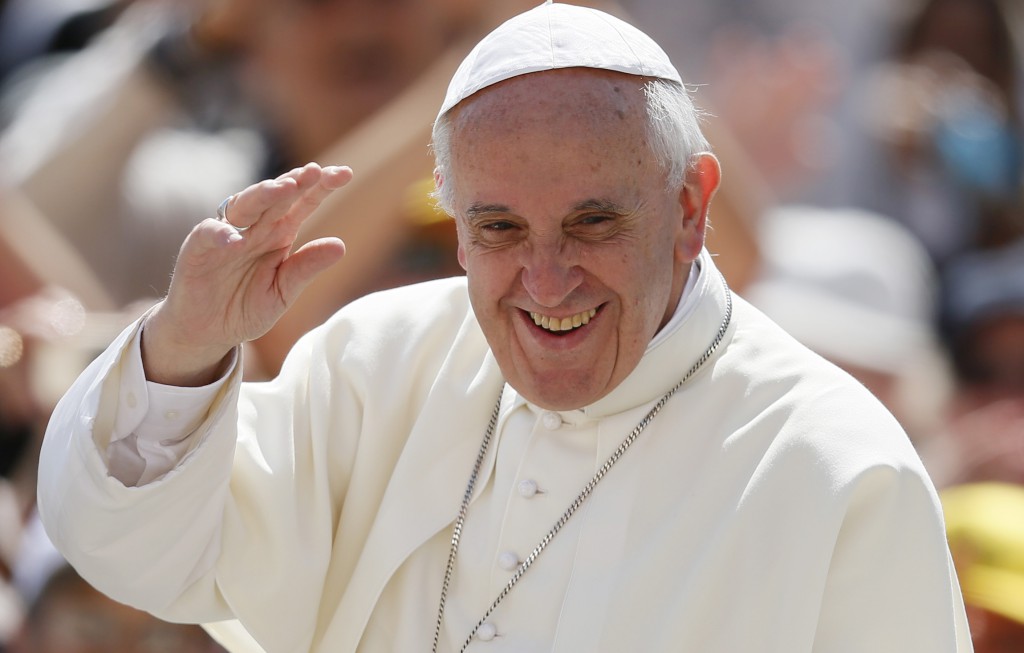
<point>586,444</point>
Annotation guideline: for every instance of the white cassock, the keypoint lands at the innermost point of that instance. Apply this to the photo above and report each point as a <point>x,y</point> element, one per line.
<point>772,506</point>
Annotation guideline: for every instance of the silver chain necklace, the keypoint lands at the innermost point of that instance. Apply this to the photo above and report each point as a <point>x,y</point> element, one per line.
<point>588,489</point>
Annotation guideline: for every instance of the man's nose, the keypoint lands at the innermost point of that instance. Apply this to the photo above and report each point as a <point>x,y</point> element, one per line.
<point>550,274</point>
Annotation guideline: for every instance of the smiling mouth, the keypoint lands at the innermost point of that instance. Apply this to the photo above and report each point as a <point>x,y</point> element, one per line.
<point>562,324</point>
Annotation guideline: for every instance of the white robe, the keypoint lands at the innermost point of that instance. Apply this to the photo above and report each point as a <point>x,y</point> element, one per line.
<point>772,506</point>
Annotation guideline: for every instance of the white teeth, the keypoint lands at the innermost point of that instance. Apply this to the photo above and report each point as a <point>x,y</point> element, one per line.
<point>564,323</point>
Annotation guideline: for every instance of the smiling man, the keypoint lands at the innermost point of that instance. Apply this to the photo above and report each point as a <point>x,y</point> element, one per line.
<point>586,444</point>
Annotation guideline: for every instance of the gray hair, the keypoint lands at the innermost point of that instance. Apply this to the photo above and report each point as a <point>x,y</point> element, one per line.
<point>673,134</point>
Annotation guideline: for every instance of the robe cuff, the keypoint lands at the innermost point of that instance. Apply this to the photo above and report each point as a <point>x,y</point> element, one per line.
<point>156,423</point>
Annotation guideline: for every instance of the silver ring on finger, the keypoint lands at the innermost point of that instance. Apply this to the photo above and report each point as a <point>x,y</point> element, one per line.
<point>222,214</point>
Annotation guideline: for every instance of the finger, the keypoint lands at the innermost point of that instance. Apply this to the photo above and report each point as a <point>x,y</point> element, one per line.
<point>300,188</point>
<point>314,190</point>
<point>306,178</point>
<point>210,234</point>
<point>336,176</point>
<point>246,208</point>
<point>299,269</point>
<point>312,185</point>
<point>297,173</point>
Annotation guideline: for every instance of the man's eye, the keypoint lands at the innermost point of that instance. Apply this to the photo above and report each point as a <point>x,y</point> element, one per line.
<point>597,224</point>
<point>498,233</point>
<point>498,226</point>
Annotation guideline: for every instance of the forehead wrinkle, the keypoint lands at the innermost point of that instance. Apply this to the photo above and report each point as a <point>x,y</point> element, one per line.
<point>551,99</point>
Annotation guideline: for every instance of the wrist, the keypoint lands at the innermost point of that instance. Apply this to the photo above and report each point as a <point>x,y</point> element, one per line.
<point>172,360</point>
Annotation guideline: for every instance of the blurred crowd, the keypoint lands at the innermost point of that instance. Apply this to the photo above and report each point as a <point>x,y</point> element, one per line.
<point>872,204</point>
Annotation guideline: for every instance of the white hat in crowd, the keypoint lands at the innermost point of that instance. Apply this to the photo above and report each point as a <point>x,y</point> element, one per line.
<point>854,286</point>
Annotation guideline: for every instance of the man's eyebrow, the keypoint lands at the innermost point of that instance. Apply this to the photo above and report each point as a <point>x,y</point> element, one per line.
<point>593,204</point>
<point>478,210</point>
<point>603,206</point>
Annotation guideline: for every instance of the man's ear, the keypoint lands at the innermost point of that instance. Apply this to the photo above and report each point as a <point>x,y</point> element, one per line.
<point>438,187</point>
<point>461,252</point>
<point>699,185</point>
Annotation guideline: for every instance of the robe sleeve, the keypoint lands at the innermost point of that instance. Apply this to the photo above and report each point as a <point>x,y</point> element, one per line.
<point>242,517</point>
<point>891,585</point>
<point>118,537</point>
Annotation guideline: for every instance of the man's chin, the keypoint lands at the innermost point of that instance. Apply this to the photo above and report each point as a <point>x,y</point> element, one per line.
<point>559,392</point>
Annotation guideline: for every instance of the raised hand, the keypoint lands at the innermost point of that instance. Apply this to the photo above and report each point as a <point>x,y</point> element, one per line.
<point>234,278</point>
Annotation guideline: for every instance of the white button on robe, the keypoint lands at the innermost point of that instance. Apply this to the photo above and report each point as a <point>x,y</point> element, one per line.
<point>486,632</point>
<point>551,421</point>
<point>508,561</point>
<point>528,488</point>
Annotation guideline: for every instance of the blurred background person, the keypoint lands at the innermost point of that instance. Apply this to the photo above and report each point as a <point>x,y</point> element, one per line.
<point>781,75</point>
<point>983,330</point>
<point>860,290</point>
<point>985,524</point>
<point>31,30</point>
<point>870,104</point>
<point>69,616</point>
<point>983,320</point>
<point>944,111</point>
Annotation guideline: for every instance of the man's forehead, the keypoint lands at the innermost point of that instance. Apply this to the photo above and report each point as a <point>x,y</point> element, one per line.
<point>554,96</point>
<point>578,150</point>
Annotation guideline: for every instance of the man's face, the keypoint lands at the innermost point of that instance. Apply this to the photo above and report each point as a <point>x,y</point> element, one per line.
<point>564,219</point>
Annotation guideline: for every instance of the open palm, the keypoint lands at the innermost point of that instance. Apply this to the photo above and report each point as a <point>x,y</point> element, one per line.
<point>233,281</point>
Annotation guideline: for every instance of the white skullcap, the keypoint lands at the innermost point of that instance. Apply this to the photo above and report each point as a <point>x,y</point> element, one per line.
<point>555,36</point>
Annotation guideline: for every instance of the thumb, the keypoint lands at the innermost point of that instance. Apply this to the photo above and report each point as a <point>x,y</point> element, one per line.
<point>299,269</point>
